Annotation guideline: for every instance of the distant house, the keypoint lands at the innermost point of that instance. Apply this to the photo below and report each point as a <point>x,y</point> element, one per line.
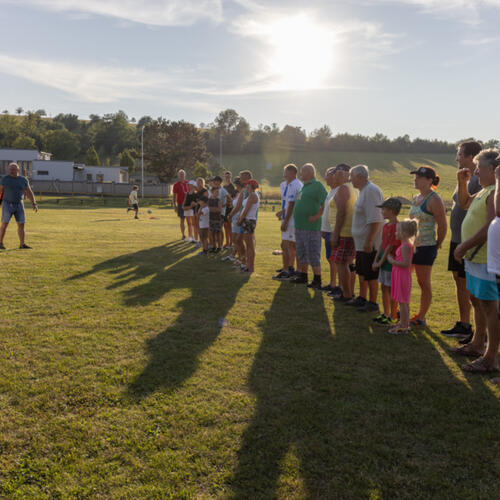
<point>149,179</point>
<point>23,157</point>
<point>69,171</point>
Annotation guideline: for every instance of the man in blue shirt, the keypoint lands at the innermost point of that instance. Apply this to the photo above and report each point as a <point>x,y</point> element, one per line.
<point>13,187</point>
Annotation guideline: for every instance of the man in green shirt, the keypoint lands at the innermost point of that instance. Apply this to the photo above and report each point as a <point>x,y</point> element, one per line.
<point>307,214</point>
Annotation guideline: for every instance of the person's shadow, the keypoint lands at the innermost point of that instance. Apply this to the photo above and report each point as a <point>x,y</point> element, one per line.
<point>174,352</point>
<point>332,418</point>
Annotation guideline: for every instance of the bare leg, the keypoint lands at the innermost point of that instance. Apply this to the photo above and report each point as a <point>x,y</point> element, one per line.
<point>20,233</point>
<point>284,255</point>
<point>333,273</point>
<point>463,298</point>
<point>386,300</point>
<point>490,310</point>
<point>250,251</point>
<point>183,227</point>
<point>345,279</point>
<point>424,281</point>
<point>477,342</point>
<point>373,288</point>
<point>3,228</point>
<point>404,312</point>
<point>190,227</point>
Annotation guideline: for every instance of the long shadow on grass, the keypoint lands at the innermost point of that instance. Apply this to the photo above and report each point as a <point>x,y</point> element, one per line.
<point>174,352</point>
<point>152,262</point>
<point>357,413</point>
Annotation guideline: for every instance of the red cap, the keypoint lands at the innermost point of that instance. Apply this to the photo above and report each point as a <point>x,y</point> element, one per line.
<point>253,183</point>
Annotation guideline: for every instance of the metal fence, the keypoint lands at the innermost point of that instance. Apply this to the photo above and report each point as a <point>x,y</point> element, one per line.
<point>97,188</point>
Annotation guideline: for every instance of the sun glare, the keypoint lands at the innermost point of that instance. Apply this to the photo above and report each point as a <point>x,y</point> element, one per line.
<point>302,55</point>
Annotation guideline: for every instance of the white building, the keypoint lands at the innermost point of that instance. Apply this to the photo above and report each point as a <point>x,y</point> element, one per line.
<point>52,170</point>
<point>23,157</point>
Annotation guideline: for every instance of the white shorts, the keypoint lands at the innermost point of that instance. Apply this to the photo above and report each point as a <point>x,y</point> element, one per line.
<point>289,234</point>
<point>188,213</point>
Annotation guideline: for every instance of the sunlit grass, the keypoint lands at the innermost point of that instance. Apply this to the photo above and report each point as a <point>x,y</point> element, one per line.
<point>116,380</point>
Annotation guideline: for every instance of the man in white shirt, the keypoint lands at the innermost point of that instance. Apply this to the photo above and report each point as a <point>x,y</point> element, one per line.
<point>367,225</point>
<point>290,188</point>
<point>133,201</point>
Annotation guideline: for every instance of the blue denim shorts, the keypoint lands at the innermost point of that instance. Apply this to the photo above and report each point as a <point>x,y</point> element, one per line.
<point>328,245</point>
<point>13,209</point>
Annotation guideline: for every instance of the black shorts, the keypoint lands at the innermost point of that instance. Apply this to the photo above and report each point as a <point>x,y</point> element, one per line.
<point>135,206</point>
<point>425,256</point>
<point>180,211</point>
<point>453,265</point>
<point>364,262</point>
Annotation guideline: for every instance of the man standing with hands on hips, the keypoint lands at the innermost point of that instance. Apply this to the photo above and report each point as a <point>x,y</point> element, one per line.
<point>13,187</point>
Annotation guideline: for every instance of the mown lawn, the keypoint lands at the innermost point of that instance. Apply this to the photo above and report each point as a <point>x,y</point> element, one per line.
<point>117,380</point>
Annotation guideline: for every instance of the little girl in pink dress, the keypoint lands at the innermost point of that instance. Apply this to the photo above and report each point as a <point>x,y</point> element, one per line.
<point>401,274</point>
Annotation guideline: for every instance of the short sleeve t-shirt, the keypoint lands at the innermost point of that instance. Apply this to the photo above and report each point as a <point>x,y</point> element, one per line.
<point>325,219</point>
<point>204,218</point>
<point>289,193</point>
<point>14,188</point>
<point>389,239</point>
<point>223,197</point>
<point>308,202</point>
<point>458,214</point>
<point>132,197</point>
<point>181,188</point>
<point>366,212</point>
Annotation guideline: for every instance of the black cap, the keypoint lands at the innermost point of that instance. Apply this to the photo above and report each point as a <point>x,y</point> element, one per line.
<point>428,172</point>
<point>391,204</point>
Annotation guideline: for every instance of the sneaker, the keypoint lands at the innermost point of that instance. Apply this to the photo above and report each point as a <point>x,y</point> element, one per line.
<point>25,247</point>
<point>385,321</point>
<point>299,280</point>
<point>327,288</point>
<point>2,246</point>
<point>226,258</point>
<point>417,322</point>
<point>357,302</point>
<point>315,285</point>
<point>459,330</point>
<point>398,330</point>
<point>183,238</point>
<point>368,306</point>
<point>467,339</point>
<point>203,253</point>
<point>336,291</point>
<point>379,317</point>
<point>341,298</point>
<point>279,270</point>
<point>281,276</point>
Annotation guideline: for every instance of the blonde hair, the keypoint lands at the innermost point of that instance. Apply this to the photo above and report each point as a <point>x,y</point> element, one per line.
<point>408,227</point>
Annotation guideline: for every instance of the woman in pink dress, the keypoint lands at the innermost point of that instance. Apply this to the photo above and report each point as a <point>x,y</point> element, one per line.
<point>401,274</point>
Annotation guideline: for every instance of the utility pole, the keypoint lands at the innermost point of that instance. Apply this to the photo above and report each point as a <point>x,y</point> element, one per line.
<point>142,163</point>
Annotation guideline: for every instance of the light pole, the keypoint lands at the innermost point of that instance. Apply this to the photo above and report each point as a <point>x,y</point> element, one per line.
<point>220,150</point>
<point>142,162</point>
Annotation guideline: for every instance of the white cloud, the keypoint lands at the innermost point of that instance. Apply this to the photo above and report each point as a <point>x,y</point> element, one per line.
<point>152,12</point>
<point>481,41</point>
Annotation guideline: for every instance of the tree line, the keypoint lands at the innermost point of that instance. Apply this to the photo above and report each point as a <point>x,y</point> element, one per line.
<point>115,139</point>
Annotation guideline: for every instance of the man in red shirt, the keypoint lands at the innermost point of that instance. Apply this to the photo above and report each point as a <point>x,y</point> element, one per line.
<point>180,189</point>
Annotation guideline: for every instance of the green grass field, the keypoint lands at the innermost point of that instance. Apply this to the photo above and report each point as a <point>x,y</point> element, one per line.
<point>116,380</point>
<point>389,170</point>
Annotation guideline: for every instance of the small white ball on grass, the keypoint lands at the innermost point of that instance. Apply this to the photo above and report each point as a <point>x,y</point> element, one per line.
<point>150,211</point>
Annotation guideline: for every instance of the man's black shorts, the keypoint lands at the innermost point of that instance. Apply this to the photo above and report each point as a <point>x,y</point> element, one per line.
<point>453,265</point>
<point>364,262</point>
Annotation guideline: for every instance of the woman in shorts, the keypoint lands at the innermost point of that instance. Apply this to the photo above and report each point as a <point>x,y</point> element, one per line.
<point>428,210</point>
<point>248,222</point>
<point>188,207</point>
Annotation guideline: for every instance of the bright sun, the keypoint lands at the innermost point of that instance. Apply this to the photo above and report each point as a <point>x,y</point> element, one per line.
<point>302,54</point>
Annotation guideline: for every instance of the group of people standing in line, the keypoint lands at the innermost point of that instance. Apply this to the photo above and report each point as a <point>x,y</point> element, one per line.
<point>363,236</point>
<point>217,209</point>
<point>350,219</point>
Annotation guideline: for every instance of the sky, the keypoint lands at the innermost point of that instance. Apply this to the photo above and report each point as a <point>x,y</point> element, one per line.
<point>427,68</point>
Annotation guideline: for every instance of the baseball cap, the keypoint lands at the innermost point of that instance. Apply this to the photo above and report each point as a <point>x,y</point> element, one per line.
<point>428,172</point>
<point>192,183</point>
<point>252,182</point>
<point>391,204</point>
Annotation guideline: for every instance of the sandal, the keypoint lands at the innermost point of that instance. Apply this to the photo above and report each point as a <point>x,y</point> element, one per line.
<point>478,366</point>
<point>465,351</point>
<point>398,330</point>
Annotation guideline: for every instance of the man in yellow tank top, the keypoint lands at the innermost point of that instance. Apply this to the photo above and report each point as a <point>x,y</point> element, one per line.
<point>341,212</point>
<point>480,283</point>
